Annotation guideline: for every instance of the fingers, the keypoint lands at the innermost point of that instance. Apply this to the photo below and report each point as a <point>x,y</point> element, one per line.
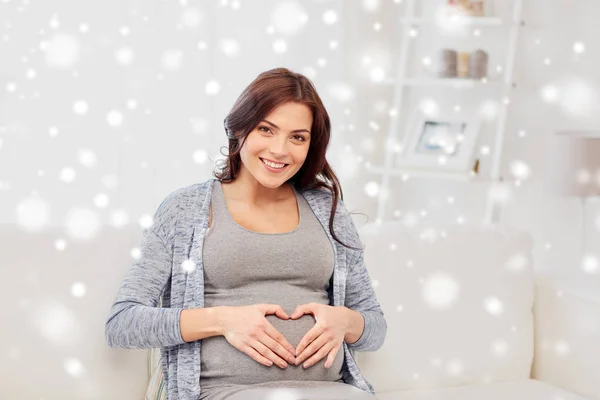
<point>257,356</point>
<point>322,352</point>
<point>331,357</point>
<point>280,339</point>
<point>312,348</point>
<point>311,335</point>
<point>267,353</point>
<point>275,346</point>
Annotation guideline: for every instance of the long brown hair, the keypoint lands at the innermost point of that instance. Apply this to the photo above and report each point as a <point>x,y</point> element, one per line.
<point>269,90</point>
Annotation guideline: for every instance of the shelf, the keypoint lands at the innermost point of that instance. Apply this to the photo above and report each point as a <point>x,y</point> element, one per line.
<point>470,21</point>
<point>443,82</point>
<point>456,27</point>
<point>459,176</point>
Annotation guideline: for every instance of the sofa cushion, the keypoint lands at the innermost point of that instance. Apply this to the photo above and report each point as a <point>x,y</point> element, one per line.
<point>458,304</point>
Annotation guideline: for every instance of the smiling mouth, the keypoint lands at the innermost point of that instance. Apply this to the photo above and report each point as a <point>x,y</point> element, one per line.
<point>263,161</point>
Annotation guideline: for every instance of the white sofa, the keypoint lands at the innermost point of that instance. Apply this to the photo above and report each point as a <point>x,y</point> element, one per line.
<point>469,319</point>
<point>553,354</point>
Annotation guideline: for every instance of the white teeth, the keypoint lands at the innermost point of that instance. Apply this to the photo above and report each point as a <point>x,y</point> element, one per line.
<point>270,164</point>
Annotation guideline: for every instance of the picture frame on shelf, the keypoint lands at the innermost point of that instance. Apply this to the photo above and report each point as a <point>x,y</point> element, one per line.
<point>443,143</point>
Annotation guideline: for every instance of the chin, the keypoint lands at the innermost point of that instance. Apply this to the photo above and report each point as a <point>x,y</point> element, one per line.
<point>272,181</point>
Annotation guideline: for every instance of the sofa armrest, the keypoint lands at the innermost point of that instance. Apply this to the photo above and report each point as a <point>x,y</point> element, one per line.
<point>567,334</point>
<point>153,360</point>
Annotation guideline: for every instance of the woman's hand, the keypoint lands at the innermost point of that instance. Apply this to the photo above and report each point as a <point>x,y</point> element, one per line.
<point>325,337</point>
<point>247,329</point>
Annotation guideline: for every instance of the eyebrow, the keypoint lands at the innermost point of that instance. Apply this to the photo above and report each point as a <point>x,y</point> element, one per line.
<point>294,131</point>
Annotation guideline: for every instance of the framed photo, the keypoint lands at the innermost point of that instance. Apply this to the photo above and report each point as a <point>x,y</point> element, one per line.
<point>440,143</point>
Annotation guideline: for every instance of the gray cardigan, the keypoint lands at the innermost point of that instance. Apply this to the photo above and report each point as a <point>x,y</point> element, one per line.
<point>170,266</point>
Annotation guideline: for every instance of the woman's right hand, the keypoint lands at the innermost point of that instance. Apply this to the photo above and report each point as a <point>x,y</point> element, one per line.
<point>247,329</point>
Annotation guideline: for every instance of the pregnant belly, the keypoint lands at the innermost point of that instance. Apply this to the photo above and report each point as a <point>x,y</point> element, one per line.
<point>224,364</point>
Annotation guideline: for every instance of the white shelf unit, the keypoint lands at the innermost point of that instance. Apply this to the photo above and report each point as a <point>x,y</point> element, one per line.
<point>402,82</point>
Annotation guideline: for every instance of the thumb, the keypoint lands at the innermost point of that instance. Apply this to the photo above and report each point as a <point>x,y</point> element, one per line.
<point>275,309</point>
<point>281,313</point>
<point>272,309</point>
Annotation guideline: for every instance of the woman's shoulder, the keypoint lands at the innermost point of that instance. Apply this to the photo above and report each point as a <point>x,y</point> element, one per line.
<point>323,198</point>
<point>178,200</point>
<point>190,191</point>
<point>320,194</point>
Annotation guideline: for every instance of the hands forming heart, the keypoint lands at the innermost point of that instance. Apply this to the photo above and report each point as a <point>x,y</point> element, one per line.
<point>327,335</point>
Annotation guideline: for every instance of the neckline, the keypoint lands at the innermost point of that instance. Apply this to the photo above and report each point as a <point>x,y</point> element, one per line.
<point>230,217</point>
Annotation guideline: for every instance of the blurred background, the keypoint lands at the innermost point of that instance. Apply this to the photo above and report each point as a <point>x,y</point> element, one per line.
<point>443,112</point>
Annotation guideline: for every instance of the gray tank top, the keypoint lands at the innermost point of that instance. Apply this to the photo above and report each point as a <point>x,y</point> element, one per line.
<point>242,267</point>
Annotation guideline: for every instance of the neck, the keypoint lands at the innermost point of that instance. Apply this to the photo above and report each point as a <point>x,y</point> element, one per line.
<point>249,190</point>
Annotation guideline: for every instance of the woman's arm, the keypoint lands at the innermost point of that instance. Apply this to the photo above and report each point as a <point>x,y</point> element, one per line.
<point>200,323</point>
<point>356,326</point>
<point>135,321</point>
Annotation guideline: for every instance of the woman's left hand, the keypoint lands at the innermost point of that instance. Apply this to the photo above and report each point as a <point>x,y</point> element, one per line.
<point>325,337</point>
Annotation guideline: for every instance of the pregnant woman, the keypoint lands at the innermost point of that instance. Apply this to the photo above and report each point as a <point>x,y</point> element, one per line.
<point>265,293</point>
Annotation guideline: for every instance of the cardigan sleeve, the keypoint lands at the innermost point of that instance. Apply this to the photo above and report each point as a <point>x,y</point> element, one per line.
<point>360,295</point>
<point>134,320</point>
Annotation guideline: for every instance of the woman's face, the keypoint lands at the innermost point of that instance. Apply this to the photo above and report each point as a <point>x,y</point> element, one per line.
<point>283,137</point>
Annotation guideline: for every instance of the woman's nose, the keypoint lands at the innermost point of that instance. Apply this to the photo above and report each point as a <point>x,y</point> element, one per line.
<point>278,148</point>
